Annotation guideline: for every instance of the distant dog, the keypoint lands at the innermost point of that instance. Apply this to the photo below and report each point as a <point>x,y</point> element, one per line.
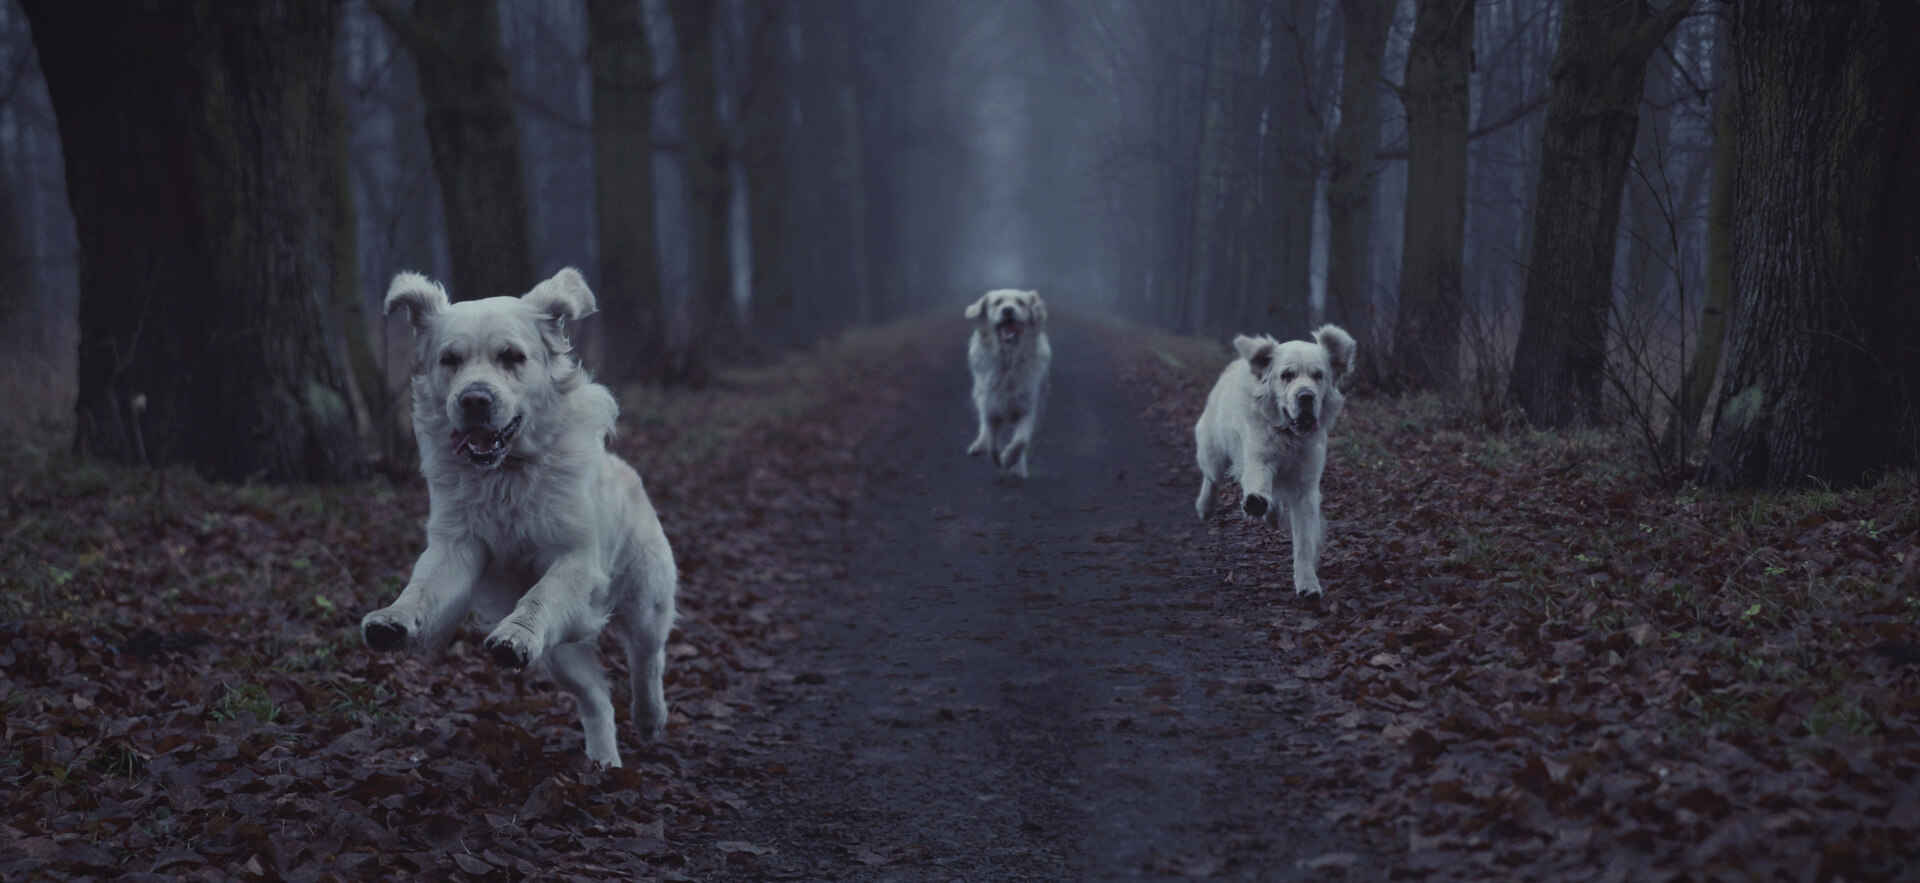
<point>1010,356</point>
<point>1266,425</point>
<point>534,525</point>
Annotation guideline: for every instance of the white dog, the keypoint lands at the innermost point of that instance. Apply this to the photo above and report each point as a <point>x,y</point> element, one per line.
<point>1009,355</point>
<point>1266,425</point>
<point>534,525</point>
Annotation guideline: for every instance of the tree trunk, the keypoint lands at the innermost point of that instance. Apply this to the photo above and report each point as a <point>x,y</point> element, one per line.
<point>16,281</point>
<point>1593,116</point>
<point>1822,381</point>
<point>1283,303</point>
<point>1351,176</point>
<point>633,340</point>
<point>198,149</point>
<point>474,136</point>
<point>1194,314</point>
<point>765,111</point>
<point>710,308</point>
<point>366,383</point>
<point>1697,383</point>
<point>1426,336</point>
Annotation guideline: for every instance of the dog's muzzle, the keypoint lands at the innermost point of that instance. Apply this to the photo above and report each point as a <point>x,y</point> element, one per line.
<point>1305,416</point>
<point>1008,328</point>
<point>483,446</point>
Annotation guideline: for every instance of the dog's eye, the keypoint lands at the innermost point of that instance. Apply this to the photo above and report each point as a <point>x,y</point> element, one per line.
<point>450,360</point>
<point>1316,375</point>
<point>1287,375</point>
<point>512,358</point>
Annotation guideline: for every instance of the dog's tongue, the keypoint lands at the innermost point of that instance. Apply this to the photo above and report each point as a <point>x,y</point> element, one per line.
<point>1009,331</point>
<point>479,438</point>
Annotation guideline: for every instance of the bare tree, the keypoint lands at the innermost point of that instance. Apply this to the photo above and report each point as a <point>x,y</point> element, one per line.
<point>198,146</point>
<point>633,340</point>
<point>1426,336</point>
<point>1822,381</point>
<point>1352,170</point>
<point>474,136</point>
<point>1593,116</point>
<point>710,308</point>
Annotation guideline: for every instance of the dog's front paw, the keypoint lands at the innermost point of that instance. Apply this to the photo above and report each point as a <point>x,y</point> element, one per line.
<point>1308,586</point>
<point>978,447</point>
<point>1255,505</point>
<point>514,647</point>
<point>386,630</point>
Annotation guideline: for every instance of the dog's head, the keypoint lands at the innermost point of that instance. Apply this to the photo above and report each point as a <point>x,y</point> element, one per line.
<point>1297,382</point>
<point>1006,314</point>
<point>484,371</point>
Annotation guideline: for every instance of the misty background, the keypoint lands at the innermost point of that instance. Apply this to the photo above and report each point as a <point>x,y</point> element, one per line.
<point>1480,190</point>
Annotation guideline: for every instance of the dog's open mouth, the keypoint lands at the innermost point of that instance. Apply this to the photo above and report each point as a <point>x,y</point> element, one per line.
<point>1304,422</point>
<point>485,446</point>
<point>1009,330</point>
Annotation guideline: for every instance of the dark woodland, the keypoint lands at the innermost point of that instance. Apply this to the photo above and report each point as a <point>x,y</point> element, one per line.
<point>1623,508</point>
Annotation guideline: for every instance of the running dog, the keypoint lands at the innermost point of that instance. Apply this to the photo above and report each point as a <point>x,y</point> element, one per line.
<point>1266,425</point>
<point>533,525</point>
<point>1009,355</point>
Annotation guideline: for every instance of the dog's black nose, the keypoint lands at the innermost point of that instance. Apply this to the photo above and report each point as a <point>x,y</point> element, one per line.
<point>1306,402</point>
<point>476,403</point>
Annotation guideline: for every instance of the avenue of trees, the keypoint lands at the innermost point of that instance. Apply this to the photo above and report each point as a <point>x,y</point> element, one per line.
<point>1696,219</point>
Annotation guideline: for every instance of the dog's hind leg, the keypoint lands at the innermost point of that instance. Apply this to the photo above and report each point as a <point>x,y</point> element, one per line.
<point>1212,468</point>
<point>643,631</point>
<point>576,668</point>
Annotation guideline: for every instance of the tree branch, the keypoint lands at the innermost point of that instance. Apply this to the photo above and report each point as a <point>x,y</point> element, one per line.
<point>1515,114</point>
<point>411,34</point>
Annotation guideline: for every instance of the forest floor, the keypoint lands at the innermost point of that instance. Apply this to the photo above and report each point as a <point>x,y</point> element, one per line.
<point>1534,661</point>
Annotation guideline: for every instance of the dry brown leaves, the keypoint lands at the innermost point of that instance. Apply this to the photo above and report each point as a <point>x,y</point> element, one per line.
<point>185,693</point>
<point>1542,665</point>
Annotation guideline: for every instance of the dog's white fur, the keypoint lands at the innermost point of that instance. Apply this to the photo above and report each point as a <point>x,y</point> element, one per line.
<point>542,532</point>
<point>1266,426</point>
<point>1010,356</point>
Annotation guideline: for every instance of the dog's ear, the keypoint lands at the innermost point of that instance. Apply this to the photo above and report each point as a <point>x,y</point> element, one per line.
<point>1340,349</point>
<point>1039,308</point>
<point>1258,351</point>
<point>423,298</point>
<point>975,309</point>
<point>559,300</point>
<point>565,297</point>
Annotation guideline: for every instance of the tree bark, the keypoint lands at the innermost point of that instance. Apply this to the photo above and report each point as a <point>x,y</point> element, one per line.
<point>1426,335</point>
<point>197,140</point>
<point>16,281</point>
<point>632,333</point>
<point>474,137</point>
<point>1283,303</point>
<point>710,306</point>
<point>765,111</point>
<point>1351,176</point>
<point>1823,343</point>
<point>1593,117</point>
<point>1208,296</point>
<point>1697,383</point>
<point>366,382</point>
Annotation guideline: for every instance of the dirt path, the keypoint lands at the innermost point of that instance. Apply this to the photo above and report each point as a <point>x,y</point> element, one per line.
<point>1032,681</point>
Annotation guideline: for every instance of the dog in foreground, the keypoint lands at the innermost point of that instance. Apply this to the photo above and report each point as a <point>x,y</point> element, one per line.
<point>1009,355</point>
<point>1266,425</point>
<point>534,526</point>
